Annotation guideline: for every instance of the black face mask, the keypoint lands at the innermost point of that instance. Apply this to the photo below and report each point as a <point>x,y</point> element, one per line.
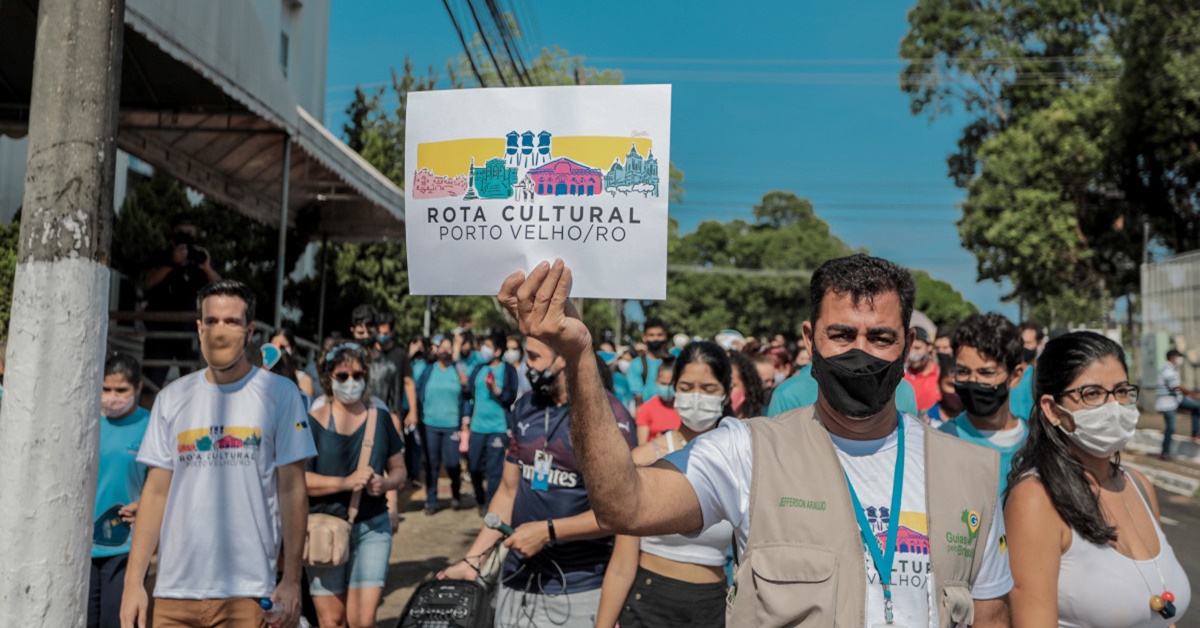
<point>1028,355</point>
<point>951,405</point>
<point>857,383</point>
<point>981,400</point>
<point>656,345</point>
<point>541,381</point>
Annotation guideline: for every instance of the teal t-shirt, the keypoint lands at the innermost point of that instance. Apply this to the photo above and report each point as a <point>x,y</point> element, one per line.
<point>801,390</point>
<point>648,389</point>
<point>1020,399</point>
<point>472,360</point>
<point>621,387</point>
<point>120,477</point>
<point>488,416</point>
<point>962,427</point>
<point>443,397</point>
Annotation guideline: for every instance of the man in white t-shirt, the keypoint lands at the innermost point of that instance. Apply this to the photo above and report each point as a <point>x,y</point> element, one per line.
<point>226,448</point>
<point>860,339</point>
<point>1171,396</point>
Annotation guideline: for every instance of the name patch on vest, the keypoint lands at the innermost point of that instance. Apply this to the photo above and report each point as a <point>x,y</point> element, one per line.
<point>803,504</point>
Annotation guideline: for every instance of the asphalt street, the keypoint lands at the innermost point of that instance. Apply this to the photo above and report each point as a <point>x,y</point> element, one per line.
<point>1181,523</point>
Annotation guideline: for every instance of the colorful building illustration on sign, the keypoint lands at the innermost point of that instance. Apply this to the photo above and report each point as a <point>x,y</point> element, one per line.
<point>635,175</point>
<point>429,185</point>
<point>563,177</point>
<point>493,180</point>
<point>525,166</point>
<point>520,152</point>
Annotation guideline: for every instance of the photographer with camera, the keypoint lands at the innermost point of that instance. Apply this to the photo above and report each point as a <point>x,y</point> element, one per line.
<point>171,286</point>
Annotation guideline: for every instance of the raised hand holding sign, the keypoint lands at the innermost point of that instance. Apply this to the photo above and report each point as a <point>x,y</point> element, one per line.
<point>541,305</point>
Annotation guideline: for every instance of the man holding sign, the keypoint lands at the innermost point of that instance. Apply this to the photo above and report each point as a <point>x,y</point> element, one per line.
<point>553,574</point>
<point>795,486</point>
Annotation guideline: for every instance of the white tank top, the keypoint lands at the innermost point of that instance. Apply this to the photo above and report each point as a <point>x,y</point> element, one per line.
<point>708,548</point>
<point>1100,588</point>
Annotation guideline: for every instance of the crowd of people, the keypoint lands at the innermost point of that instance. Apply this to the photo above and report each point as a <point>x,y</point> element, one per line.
<point>974,473</point>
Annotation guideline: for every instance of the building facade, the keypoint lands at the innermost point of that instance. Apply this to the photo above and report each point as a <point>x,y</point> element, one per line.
<point>566,177</point>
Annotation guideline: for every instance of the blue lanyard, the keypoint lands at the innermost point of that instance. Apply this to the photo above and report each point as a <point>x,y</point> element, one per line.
<point>883,560</point>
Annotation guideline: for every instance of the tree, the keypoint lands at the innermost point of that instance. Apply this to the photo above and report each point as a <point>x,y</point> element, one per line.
<point>754,277</point>
<point>938,300</point>
<point>1034,215</point>
<point>1086,119</point>
<point>9,240</point>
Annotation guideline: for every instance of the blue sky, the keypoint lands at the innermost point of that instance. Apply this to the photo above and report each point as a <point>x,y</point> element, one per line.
<point>799,96</point>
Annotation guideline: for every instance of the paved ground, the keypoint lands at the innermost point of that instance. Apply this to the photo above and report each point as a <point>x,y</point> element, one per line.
<point>1181,523</point>
<point>427,544</point>
<point>423,546</point>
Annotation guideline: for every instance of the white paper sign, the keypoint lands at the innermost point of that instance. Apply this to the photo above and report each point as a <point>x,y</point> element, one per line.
<point>500,179</point>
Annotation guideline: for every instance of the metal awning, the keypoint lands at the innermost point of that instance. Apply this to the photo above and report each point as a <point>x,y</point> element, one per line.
<point>203,99</point>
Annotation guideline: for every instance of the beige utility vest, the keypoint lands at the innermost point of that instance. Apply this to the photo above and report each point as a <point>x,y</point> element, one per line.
<point>803,562</point>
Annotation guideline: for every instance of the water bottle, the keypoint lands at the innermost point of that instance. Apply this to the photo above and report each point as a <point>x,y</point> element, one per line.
<point>270,613</point>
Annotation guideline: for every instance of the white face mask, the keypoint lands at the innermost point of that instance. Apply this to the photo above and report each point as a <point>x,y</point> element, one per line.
<point>487,353</point>
<point>349,391</point>
<point>116,406</point>
<point>699,412</point>
<point>1103,431</point>
<point>623,366</point>
<point>512,356</point>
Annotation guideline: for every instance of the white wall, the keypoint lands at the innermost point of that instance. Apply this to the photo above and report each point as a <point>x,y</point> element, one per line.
<point>306,23</point>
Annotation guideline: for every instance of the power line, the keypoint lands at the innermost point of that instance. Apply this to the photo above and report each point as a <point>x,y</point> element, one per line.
<point>486,44</point>
<point>843,61</point>
<point>462,40</point>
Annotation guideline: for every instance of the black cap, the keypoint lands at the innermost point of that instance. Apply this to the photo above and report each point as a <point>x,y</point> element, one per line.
<point>922,334</point>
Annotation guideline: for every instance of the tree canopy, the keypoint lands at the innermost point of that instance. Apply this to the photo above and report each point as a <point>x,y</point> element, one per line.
<point>754,276</point>
<point>1085,122</point>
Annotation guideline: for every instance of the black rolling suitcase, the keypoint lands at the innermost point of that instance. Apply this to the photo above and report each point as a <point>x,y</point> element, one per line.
<point>447,604</point>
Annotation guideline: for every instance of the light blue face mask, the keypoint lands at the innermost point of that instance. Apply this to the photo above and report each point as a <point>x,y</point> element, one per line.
<point>664,391</point>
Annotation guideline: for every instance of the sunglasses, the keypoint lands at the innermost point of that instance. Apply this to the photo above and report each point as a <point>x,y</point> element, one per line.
<point>343,376</point>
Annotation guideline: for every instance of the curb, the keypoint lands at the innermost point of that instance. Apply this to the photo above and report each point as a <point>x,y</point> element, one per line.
<point>1168,481</point>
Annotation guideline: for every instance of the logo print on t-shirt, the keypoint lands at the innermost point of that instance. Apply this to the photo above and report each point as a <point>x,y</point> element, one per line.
<point>218,445</point>
<point>911,538</point>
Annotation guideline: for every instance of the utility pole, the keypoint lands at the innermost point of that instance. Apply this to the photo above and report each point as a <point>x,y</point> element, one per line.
<point>49,426</point>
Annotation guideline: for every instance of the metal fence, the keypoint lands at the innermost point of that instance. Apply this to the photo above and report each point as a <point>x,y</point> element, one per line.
<point>1171,297</point>
<point>1171,311</point>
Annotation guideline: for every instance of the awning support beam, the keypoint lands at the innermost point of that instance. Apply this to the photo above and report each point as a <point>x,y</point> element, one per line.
<point>283,226</point>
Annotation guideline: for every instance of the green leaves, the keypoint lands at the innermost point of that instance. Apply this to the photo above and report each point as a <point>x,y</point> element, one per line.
<point>1086,127</point>
<point>754,277</point>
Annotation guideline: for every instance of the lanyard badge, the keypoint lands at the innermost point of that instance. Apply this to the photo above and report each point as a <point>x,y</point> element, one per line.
<point>542,459</point>
<point>884,559</point>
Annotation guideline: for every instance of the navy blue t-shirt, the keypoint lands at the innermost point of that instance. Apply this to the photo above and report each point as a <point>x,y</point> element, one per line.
<point>582,562</point>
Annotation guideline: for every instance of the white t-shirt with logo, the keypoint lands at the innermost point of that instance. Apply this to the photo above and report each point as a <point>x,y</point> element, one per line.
<point>719,465</point>
<point>221,529</point>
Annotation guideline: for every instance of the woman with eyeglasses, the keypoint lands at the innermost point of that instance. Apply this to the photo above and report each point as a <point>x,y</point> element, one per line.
<point>349,594</point>
<point>1084,541</point>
